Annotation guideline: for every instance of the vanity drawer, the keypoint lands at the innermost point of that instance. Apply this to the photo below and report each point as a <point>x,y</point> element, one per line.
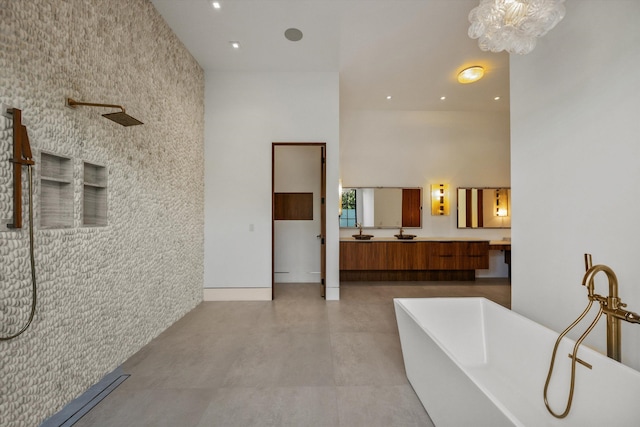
<point>459,255</point>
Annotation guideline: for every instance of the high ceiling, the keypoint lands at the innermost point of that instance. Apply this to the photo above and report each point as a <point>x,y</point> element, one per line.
<point>411,50</point>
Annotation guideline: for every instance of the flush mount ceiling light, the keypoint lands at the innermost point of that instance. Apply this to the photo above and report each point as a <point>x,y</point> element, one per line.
<point>293,34</point>
<point>235,45</point>
<point>215,4</point>
<point>471,74</point>
<point>513,25</point>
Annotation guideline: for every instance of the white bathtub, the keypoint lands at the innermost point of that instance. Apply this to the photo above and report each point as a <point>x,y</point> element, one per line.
<point>475,363</point>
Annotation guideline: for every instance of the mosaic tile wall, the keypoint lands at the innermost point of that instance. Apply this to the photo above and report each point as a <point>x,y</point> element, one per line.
<point>103,292</point>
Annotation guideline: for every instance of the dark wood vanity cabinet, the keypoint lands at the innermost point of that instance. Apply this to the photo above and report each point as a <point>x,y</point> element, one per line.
<point>412,260</point>
<point>458,255</point>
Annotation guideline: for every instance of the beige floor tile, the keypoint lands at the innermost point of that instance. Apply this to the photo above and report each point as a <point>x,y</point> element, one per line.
<point>354,316</point>
<point>295,316</point>
<point>152,408</point>
<point>272,406</point>
<point>201,362</point>
<point>283,359</point>
<point>383,406</point>
<point>367,358</point>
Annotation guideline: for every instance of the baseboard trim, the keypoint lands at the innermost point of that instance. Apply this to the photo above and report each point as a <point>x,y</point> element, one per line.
<point>237,294</point>
<point>332,294</point>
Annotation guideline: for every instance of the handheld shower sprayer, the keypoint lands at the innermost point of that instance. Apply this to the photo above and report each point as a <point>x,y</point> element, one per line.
<point>22,156</point>
<point>611,307</point>
<point>119,117</point>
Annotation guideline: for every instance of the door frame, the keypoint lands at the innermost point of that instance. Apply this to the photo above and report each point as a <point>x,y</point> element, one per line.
<point>323,210</point>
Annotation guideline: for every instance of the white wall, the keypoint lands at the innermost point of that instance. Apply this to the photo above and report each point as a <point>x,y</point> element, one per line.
<point>244,113</point>
<point>420,148</point>
<point>575,165</point>
<point>297,249</point>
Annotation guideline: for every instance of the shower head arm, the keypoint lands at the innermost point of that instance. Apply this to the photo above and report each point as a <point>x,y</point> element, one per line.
<point>73,103</point>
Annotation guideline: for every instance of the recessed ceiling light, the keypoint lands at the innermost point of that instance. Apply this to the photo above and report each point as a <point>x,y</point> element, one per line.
<point>235,45</point>
<point>497,98</point>
<point>389,96</point>
<point>215,4</point>
<point>293,34</point>
<point>442,98</point>
<point>471,74</point>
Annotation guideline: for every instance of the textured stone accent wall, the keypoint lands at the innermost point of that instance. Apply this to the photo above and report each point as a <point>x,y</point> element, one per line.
<point>103,292</point>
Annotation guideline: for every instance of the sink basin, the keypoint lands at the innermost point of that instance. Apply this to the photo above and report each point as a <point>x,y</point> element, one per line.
<point>405,236</point>
<point>362,236</point>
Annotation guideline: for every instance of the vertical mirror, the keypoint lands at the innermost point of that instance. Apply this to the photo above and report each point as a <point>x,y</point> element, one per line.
<point>484,207</point>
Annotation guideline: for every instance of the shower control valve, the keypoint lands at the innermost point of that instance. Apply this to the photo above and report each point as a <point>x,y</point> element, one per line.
<point>6,111</point>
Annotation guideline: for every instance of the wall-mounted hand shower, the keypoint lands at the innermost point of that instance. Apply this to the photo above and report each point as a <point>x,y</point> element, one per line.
<point>22,157</point>
<point>119,117</point>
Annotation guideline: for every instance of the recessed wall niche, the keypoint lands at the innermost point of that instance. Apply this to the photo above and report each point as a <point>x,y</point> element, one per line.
<point>94,198</point>
<point>56,191</point>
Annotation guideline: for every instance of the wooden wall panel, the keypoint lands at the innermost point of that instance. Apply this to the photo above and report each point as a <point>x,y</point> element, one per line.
<point>411,212</point>
<point>293,206</point>
<point>480,208</point>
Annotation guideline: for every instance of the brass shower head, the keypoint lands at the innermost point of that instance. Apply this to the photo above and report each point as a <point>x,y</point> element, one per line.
<point>121,117</point>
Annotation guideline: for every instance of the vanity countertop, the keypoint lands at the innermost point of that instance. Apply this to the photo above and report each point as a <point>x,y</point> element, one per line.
<point>500,244</point>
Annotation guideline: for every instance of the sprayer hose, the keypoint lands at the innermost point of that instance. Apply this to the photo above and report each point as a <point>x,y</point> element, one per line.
<point>574,358</point>
<point>33,263</point>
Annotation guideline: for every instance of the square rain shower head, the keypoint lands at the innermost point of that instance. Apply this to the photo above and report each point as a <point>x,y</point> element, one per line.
<point>122,119</point>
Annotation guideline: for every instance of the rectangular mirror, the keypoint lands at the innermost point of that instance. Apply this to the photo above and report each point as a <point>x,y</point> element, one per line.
<point>381,207</point>
<point>487,207</point>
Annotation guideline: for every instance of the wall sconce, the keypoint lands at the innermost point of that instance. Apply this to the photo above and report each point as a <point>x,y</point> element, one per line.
<point>502,202</point>
<point>439,199</point>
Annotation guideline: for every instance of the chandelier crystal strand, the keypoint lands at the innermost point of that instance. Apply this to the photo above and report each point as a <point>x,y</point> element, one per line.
<point>513,25</point>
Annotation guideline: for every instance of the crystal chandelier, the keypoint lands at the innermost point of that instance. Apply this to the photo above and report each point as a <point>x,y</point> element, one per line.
<point>513,25</point>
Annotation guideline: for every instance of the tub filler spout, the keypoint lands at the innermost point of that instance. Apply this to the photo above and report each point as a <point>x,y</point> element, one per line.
<point>629,316</point>
<point>612,307</point>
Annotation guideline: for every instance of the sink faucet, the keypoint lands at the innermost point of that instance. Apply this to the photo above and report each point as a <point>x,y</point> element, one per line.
<point>359,225</point>
<point>612,307</point>
<point>401,231</point>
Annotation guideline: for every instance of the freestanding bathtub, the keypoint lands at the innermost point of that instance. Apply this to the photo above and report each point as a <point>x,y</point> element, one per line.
<point>475,363</point>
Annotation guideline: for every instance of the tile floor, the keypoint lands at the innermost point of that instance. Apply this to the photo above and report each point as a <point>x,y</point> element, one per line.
<point>294,361</point>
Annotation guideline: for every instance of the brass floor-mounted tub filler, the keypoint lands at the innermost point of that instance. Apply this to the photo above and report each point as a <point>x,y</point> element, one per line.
<point>612,307</point>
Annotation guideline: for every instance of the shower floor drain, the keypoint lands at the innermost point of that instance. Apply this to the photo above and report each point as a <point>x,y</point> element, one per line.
<point>77,408</point>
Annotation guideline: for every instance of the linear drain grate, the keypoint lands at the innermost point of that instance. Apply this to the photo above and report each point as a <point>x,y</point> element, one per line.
<point>80,406</point>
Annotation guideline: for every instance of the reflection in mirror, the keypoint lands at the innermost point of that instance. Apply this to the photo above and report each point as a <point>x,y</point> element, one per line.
<point>381,207</point>
<point>484,207</point>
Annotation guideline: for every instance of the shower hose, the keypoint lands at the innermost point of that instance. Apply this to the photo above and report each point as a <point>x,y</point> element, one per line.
<point>574,359</point>
<point>31,257</point>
